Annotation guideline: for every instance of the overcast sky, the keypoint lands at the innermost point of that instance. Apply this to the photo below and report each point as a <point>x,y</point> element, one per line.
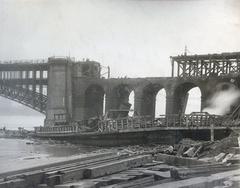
<point>134,37</point>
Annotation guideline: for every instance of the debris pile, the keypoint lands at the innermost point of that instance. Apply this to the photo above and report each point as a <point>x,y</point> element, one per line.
<point>145,149</point>
<point>217,151</point>
<point>188,148</point>
<point>224,145</point>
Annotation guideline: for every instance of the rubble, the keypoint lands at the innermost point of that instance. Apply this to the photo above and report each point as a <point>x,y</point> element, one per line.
<point>217,151</point>
<point>146,149</point>
<point>208,151</point>
<point>225,145</point>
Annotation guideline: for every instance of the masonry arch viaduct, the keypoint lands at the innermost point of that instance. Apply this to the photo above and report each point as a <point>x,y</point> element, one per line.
<point>76,91</point>
<point>145,89</point>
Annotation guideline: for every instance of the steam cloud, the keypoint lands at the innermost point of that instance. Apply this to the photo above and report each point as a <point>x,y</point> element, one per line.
<point>221,102</point>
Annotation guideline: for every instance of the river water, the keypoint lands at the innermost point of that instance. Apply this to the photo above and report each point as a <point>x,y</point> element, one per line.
<point>16,154</point>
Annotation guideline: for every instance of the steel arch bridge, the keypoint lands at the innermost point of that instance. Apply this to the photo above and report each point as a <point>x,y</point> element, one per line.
<point>34,100</point>
<point>25,82</point>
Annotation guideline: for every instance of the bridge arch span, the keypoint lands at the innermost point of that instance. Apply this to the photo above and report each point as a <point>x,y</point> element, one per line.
<point>118,99</point>
<point>181,94</point>
<point>148,98</point>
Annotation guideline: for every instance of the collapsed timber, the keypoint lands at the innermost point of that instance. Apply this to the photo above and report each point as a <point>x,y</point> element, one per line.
<point>167,129</point>
<point>187,164</point>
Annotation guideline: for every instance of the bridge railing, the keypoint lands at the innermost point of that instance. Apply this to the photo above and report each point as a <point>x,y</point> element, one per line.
<point>200,120</point>
<point>171,121</point>
<point>56,129</point>
<point>112,125</point>
<point>73,127</point>
<point>29,61</point>
<point>163,121</point>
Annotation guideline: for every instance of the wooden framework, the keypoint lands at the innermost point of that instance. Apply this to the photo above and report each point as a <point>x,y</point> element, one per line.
<point>206,65</point>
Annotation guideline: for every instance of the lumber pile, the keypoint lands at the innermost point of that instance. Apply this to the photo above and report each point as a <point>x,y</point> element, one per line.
<point>57,174</point>
<point>159,174</point>
<point>72,172</point>
<point>146,175</point>
<point>116,166</point>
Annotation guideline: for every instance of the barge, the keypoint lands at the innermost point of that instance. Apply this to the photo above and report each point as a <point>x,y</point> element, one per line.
<point>169,129</point>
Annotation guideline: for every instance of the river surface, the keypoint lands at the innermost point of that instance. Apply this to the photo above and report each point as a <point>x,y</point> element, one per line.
<point>16,154</point>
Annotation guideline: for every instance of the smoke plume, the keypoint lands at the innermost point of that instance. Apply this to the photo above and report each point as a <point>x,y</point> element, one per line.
<point>221,102</point>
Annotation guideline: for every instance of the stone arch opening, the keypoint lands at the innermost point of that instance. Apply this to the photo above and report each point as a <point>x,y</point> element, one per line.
<point>131,101</point>
<point>193,101</point>
<point>94,101</point>
<point>120,105</point>
<point>181,98</point>
<point>160,107</point>
<point>148,106</point>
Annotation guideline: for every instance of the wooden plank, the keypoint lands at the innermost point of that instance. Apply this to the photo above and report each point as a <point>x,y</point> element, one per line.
<point>200,182</point>
<point>116,166</point>
<point>182,173</point>
<point>73,175</point>
<point>138,183</point>
<point>171,159</point>
<point>77,172</point>
<point>16,183</point>
<point>54,180</point>
<point>157,173</point>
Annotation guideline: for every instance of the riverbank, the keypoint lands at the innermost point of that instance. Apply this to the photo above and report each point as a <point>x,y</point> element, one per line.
<point>181,165</point>
<point>123,170</point>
